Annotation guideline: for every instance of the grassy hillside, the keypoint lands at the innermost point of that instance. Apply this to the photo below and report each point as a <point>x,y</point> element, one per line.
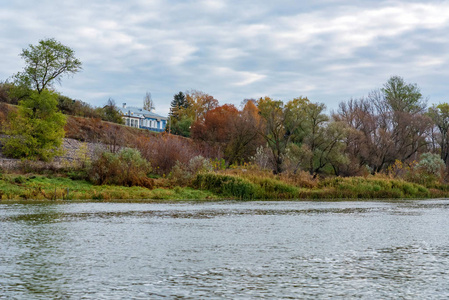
<point>89,129</point>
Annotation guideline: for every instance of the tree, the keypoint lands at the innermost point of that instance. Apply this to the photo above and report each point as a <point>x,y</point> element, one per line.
<point>199,104</point>
<point>111,113</point>
<point>282,125</point>
<point>179,121</point>
<point>388,125</point>
<point>245,135</point>
<point>234,133</point>
<point>188,108</point>
<point>215,128</point>
<point>400,96</point>
<point>45,63</point>
<point>148,103</point>
<point>440,116</point>
<point>37,129</point>
<point>179,102</point>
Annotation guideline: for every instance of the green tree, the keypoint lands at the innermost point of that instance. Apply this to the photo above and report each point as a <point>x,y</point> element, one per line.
<point>317,143</point>
<point>282,124</point>
<point>179,102</point>
<point>110,112</point>
<point>46,62</point>
<point>440,116</point>
<point>37,129</point>
<point>179,122</point>
<point>402,97</point>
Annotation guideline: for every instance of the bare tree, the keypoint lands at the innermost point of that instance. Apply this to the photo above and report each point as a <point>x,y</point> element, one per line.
<point>148,103</point>
<point>388,125</point>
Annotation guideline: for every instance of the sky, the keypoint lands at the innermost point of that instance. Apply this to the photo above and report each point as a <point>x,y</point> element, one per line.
<point>329,51</point>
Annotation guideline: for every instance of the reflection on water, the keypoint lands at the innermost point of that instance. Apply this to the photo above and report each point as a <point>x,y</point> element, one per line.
<point>307,250</point>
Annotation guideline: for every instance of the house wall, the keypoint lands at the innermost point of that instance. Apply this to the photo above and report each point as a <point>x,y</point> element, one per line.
<point>133,122</point>
<point>153,124</point>
<point>147,123</point>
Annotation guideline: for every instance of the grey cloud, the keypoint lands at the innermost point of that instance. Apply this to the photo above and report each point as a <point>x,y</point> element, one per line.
<point>326,50</point>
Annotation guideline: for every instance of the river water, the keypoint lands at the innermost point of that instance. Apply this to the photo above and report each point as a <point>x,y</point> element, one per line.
<point>225,250</point>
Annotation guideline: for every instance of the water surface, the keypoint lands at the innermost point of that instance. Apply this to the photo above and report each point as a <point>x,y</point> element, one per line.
<point>225,250</point>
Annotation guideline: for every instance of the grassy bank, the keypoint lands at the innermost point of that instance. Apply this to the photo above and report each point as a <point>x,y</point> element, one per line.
<point>215,186</point>
<point>249,187</point>
<point>37,187</point>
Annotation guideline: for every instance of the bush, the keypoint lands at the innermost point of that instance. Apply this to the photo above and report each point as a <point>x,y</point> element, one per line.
<point>274,189</point>
<point>183,174</point>
<point>164,151</point>
<point>127,167</point>
<point>359,187</point>
<point>429,170</point>
<point>229,186</point>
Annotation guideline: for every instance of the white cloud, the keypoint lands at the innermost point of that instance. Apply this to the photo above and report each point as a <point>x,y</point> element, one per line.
<point>234,49</point>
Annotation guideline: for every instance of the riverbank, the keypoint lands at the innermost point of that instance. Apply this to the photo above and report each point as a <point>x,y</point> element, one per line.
<point>213,186</point>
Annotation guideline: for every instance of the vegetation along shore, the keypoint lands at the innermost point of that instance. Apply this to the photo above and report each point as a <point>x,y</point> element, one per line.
<point>387,145</point>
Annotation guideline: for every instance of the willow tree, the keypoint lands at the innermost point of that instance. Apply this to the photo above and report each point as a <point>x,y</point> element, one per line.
<point>282,124</point>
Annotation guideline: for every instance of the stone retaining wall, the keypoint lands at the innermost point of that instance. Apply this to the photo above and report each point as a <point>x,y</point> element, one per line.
<point>74,151</point>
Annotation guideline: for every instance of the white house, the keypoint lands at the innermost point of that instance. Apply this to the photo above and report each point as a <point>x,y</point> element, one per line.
<point>141,118</point>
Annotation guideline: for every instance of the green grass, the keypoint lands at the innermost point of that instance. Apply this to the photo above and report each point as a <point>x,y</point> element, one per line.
<point>60,188</point>
<point>359,187</point>
<point>214,186</point>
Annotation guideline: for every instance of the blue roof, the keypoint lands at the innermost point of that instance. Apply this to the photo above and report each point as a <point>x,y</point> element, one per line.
<point>139,112</point>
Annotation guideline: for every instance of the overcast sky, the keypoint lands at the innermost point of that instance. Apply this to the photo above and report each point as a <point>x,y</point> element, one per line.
<point>328,51</point>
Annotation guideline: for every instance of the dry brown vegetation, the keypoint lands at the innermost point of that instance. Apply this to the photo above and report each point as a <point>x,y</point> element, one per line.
<point>95,130</point>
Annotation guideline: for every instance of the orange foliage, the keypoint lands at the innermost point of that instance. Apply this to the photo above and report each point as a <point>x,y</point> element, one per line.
<point>216,126</point>
<point>234,132</point>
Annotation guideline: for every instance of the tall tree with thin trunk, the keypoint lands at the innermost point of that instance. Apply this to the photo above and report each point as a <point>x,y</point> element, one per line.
<point>148,103</point>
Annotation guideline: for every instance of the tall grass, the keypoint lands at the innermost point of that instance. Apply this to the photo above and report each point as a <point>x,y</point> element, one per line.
<point>19,187</point>
<point>360,187</point>
<point>227,186</point>
<point>214,186</point>
<point>252,187</point>
<point>245,188</point>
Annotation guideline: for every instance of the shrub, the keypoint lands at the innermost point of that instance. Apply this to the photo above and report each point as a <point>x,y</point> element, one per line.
<point>262,157</point>
<point>429,170</point>
<point>127,167</point>
<point>183,174</point>
<point>164,151</point>
<point>274,189</point>
<point>225,185</point>
<point>300,179</point>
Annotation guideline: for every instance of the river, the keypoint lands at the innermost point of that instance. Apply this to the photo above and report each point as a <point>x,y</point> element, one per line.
<point>225,250</point>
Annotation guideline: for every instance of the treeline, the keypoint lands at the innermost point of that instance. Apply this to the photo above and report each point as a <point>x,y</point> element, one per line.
<point>12,94</point>
<point>391,130</point>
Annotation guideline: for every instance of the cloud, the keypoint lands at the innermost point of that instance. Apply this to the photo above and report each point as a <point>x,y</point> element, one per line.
<point>326,50</point>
